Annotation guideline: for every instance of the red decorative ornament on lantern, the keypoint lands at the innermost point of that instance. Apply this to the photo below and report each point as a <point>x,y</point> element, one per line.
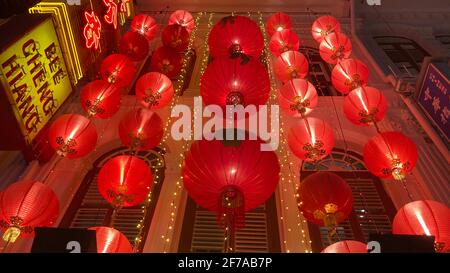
<point>283,41</point>
<point>154,90</point>
<point>124,181</point>
<point>291,65</point>
<point>110,240</point>
<point>176,37</point>
<point>72,136</point>
<point>390,155</point>
<point>141,129</point>
<point>134,46</point>
<point>183,18</point>
<point>425,217</point>
<point>25,205</point>
<point>117,69</point>
<point>349,74</point>
<point>100,99</point>
<point>335,47</point>
<point>167,61</point>
<point>346,246</point>
<point>311,139</point>
<point>365,106</point>
<point>144,25</point>
<point>298,97</point>
<point>277,22</point>
<point>323,26</point>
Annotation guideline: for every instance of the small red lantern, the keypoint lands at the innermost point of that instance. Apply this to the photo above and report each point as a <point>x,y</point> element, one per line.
<point>235,36</point>
<point>390,155</point>
<point>346,246</point>
<point>348,75</point>
<point>182,18</point>
<point>72,136</point>
<point>298,97</point>
<point>141,129</point>
<point>278,22</point>
<point>167,61</point>
<point>335,47</point>
<point>117,69</point>
<point>323,26</point>
<point>176,37</point>
<point>144,25</point>
<point>134,46</point>
<point>124,181</point>
<point>365,105</point>
<point>110,240</point>
<point>425,217</point>
<point>290,65</point>
<point>100,99</point>
<point>25,205</point>
<point>282,41</point>
<point>154,90</point>
<point>311,139</point>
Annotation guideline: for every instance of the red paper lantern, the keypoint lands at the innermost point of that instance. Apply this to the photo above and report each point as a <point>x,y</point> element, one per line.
<point>117,69</point>
<point>325,199</point>
<point>335,47</point>
<point>365,105</point>
<point>25,205</point>
<point>100,99</point>
<point>231,178</point>
<point>124,181</point>
<point>348,75</point>
<point>72,136</point>
<point>176,37</point>
<point>311,139</point>
<point>230,82</point>
<point>425,217</point>
<point>141,129</point>
<point>134,45</point>
<point>110,240</point>
<point>144,25</point>
<point>154,90</point>
<point>167,61</point>
<point>346,246</point>
<point>290,65</point>
<point>298,97</point>
<point>390,155</point>
<point>182,18</point>
<point>278,22</point>
<point>323,26</point>
<point>282,41</point>
<point>236,36</point>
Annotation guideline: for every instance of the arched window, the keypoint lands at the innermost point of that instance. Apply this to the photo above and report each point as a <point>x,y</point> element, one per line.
<point>373,210</point>
<point>406,54</point>
<point>89,209</point>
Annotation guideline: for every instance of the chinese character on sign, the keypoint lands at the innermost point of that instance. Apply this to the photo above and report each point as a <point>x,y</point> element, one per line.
<point>123,6</point>
<point>445,114</point>
<point>436,102</point>
<point>427,94</point>
<point>92,30</point>
<point>111,13</point>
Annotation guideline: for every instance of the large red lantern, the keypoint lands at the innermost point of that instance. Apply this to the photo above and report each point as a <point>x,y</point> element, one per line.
<point>346,246</point>
<point>100,99</point>
<point>72,136</point>
<point>176,37</point>
<point>230,82</point>
<point>290,65</point>
<point>311,139</point>
<point>282,41</point>
<point>134,45</point>
<point>110,240</point>
<point>124,181</point>
<point>390,155</point>
<point>25,205</point>
<point>154,90</point>
<point>298,97</point>
<point>365,105</point>
<point>323,26</point>
<point>118,69</point>
<point>349,74</point>
<point>167,61</point>
<point>335,47</point>
<point>141,129</point>
<point>236,36</point>
<point>278,22</point>
<point>182,18</point>
<point>144,25</point>
<point>425,217</point>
